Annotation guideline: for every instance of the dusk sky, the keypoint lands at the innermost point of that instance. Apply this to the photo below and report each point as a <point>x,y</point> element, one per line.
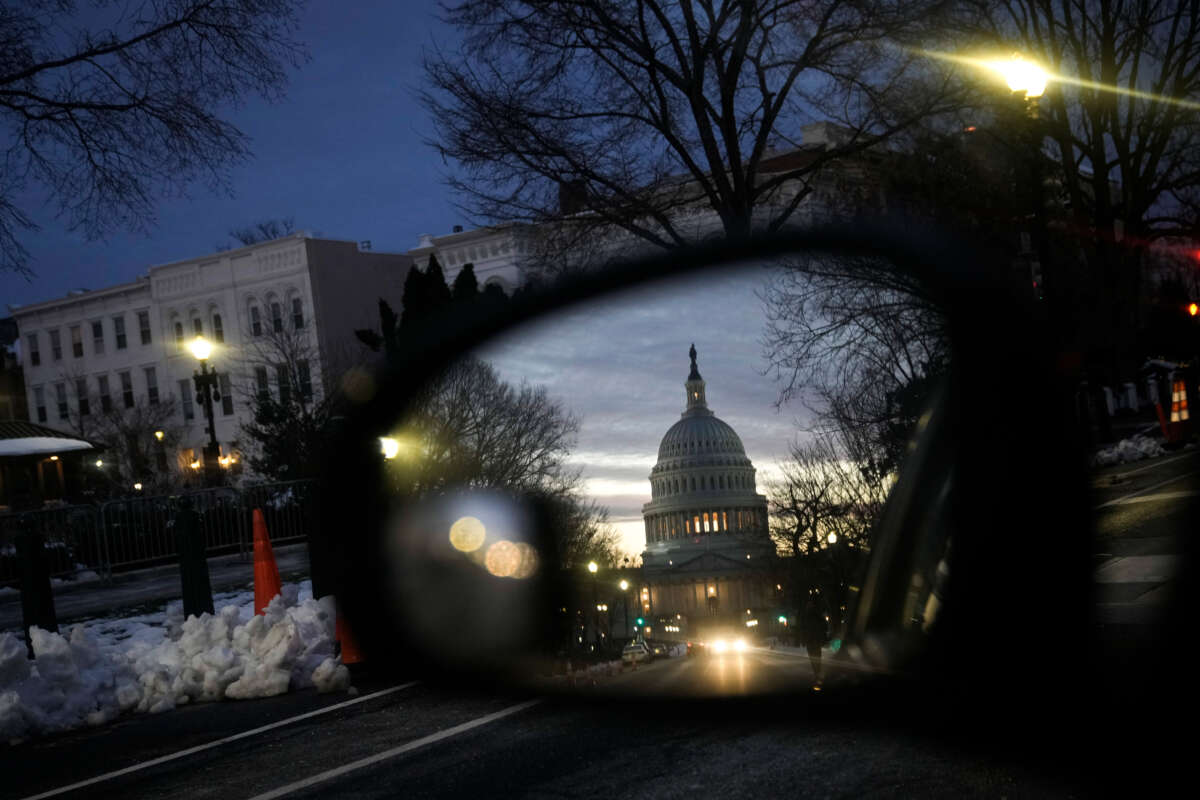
<point>343,154</point>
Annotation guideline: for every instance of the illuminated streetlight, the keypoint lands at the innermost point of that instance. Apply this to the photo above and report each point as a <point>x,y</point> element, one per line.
<point>207,392</point>
<point>592,567</point>
<point>158,435</point>
<point>1022,77</point>
<point>832,538</point>
<point>137,486</point>
<point>389,447</point>
<point>624,585</point>
<point>99,462</point>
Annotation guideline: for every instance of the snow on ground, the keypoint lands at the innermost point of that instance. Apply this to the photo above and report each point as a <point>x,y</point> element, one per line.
<point>1135,448</point>
<point>102,668</point>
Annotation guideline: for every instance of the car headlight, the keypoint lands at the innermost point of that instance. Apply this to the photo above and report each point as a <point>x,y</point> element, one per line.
<point>740,645</point>
<point>719,646</point>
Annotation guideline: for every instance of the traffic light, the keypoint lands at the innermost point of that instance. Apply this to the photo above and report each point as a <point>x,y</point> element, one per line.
<point>640,621</point>
<point>1035,275</point>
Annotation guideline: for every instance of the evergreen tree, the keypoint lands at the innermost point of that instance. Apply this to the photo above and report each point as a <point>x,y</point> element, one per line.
<point>414,296</point>
<point>466,287</point>
<point>437,292</point>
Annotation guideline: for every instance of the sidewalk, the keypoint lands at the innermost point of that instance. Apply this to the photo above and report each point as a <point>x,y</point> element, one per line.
<point>152,585</point>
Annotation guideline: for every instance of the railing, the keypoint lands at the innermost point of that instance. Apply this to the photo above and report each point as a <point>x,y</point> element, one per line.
<point>135,532</point>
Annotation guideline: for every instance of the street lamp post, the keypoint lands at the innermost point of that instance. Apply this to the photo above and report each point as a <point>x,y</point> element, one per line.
<point>1027,82</point>
<point>207,392</point>
<point>593,568</point>
<point>625,617</point>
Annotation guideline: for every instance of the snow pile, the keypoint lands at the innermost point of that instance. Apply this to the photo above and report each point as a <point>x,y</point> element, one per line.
<point>75,680</point>
<point>1135,448</point>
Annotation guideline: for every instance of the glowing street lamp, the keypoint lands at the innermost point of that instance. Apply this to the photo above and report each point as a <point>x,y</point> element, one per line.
<point>1022,76</point>
<point>207,392</point>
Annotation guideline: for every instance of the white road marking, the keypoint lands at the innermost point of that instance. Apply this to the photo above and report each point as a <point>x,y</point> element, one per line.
<point>395,751</point>
<point>200,748</point>
<point>1155,465</point>
<point>1139,492</point>
<point>1151,498</point>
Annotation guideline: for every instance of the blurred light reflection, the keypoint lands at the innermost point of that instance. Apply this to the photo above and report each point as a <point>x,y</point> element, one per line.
<point>467,534</point>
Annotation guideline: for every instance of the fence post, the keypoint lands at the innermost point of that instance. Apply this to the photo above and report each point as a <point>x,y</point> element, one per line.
<point>37,595</point>
<point>193,561</point>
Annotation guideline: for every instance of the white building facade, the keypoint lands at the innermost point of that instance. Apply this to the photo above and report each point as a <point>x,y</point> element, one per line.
<point>124,347</point>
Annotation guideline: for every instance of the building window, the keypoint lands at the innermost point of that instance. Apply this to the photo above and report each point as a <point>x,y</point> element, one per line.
<point>277,317</point>
<point>39,402</point>
<point>60,394</point>
<point>218,330</point>
<point>185,396</point>
<point>285,386</point>
<point>105,398</point>
<point>297,313</point>
<point>151,385</point>
<point>197,327</point>
<point>35,355</point>
<point>255,321</point>
<point>144,326</point>
<point>119,331</point>
<point>226,394</point>
<point>305,378</point>
<point>56,345</point>
<point>76,341</point>
<point>98,338</point>
<point>81,394</point>
<point>260,382</point>
<point>179,335</point>
<point>126,388</point>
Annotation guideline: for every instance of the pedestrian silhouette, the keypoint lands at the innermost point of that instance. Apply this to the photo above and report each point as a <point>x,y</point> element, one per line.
<point>814,630</point>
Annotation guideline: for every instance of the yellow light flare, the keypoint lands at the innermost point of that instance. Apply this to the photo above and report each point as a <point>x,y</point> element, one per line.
<point>1053,77</point>
<point>201,348</point>
<point>467,534</point>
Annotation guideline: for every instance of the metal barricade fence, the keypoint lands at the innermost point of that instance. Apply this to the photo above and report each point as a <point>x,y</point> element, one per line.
<point>140,531</point>
<point>70,536</point>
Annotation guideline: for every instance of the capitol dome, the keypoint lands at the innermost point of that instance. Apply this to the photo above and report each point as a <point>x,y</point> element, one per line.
<point>702,488</point>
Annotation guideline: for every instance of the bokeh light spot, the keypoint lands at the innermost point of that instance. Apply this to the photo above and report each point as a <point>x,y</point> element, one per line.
<point>503,559</point>
<point>467,534</point>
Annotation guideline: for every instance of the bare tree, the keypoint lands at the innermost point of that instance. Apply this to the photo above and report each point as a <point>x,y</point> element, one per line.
<point>823,491</point>
<point>472,429</point>
<point>1122,129</point>
<point>104,106</point>
<point>263,231</point>
<point>131,450</point>
<point>294,398</point>
<point>859,343</point>
<point>653,117</point>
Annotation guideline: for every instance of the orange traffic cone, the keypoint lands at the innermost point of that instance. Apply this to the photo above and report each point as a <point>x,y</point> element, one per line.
<point>350,652</point>
<point>266,572</point>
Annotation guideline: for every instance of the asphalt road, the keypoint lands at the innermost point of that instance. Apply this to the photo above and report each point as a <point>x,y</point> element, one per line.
<point>413,740</point>
<point>1143,521</point>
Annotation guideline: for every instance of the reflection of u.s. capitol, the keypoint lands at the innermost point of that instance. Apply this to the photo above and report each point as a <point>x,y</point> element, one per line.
<point>709,558</point>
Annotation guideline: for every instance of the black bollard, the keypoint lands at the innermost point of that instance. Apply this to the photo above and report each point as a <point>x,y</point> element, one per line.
<point>193,561</point>
<point>37,595</point>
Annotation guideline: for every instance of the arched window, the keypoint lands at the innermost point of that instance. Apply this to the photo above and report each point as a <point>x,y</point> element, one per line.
<point>179,334</point>
<point>255,321</point>
<point>277,317</point>
<point>218,328</point>
<point>197,326</point>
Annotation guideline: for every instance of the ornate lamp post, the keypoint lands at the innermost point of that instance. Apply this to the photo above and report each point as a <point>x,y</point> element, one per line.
<point>1027,81</point>
<point>592,568</point>
<point>207,392</point>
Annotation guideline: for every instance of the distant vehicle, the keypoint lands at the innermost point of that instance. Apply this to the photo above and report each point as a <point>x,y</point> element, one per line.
<point>696,649</point>
<point>636,651</point>
<point>659,649</point>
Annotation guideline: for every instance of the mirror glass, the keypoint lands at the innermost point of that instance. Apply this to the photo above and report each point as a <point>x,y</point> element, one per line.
<point>706,456</point>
